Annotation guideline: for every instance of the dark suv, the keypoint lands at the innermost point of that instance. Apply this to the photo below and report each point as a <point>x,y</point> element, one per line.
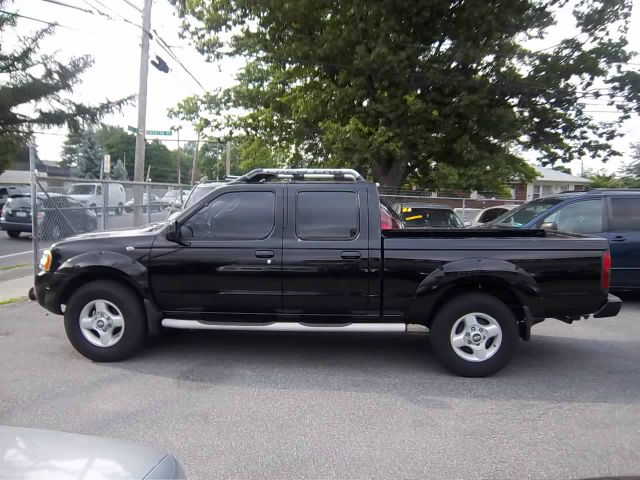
<point>613,214</point>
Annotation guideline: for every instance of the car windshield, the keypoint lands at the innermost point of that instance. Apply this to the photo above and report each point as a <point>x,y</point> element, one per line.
<point>524,214</point>
<point>82,189</point>
<point>430,217</point>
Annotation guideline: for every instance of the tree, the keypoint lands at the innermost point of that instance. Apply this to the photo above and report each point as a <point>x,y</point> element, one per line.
<point>118,172</point>
<point>562,168</point>
<point>633,169</point>
<point>118,143</point>
<point>602,179</point>
<point>90,155</point>
<point>39,84</point>
<point>71,149</point>
<point>406,91</point>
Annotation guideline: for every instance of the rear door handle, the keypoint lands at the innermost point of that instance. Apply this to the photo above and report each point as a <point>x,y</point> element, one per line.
<point>350,255</point>
<point>264,253</point>
<point>618,238</point>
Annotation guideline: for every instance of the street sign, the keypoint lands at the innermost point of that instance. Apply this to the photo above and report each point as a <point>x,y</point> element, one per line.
<point>106,165</point>
<point>160,133</point>
<point>153,133</point>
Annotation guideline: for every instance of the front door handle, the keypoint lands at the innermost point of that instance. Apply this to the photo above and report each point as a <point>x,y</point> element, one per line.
<point>264,253</point>
<point>618,238</point>
<point>350,255</point>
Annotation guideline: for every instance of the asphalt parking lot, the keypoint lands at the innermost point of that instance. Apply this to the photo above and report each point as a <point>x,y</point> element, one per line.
<point>273,405</point>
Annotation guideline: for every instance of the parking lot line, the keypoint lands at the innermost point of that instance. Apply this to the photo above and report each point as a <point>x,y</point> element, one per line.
<point>15,254</point>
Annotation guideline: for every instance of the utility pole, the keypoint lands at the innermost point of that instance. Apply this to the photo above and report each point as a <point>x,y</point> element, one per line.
<point>179,156</point>
<point>228,167</point>
<point>138,168</point>
<point>194,168</point>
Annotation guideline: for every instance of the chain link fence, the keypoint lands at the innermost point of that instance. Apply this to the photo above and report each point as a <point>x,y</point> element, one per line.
<point>69,206</point>
<point>466,204</point>
<point>64,207</point>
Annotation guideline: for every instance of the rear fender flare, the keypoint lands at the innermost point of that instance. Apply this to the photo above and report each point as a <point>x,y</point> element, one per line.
<point>475,271</point>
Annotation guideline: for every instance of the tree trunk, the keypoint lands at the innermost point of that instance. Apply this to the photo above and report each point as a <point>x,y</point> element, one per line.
<point>390,173</point>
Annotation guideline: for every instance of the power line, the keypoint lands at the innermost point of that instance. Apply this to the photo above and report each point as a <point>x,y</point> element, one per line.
<point>26,17</point>
<point>132,6</point>
<point>63,4</point>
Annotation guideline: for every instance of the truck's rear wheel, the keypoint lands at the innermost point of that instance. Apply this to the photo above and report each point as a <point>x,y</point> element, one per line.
<point>105,321</point>
<point>474,335</point>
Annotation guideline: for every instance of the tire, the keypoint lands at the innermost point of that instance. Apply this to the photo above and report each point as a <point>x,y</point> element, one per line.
<point>123,339</point>
<point>454,324</point>
<point>13,233</point>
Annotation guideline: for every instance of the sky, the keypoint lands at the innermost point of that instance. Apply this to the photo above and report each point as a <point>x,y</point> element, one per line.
<point>115,46</point>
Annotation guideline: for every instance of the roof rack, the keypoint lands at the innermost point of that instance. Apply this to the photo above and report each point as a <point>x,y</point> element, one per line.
<point>299,174</point>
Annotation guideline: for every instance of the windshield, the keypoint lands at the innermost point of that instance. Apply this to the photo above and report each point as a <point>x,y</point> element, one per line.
<point>82,189</point>
<point>524,214</point>
<point>430,218</point>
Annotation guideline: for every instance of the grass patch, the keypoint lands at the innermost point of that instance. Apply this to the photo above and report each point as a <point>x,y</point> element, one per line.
<point>7,301</point>
<point>11,267</point>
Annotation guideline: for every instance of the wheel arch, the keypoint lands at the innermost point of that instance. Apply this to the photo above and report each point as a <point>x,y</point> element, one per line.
<point>498,278</point>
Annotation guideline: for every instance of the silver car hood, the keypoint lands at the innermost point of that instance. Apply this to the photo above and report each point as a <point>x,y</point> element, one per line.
<point>36,454</point>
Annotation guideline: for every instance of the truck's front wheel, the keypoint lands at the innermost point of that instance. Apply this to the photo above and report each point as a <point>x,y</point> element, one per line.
<point>474,335</point>
<point>105,321</point>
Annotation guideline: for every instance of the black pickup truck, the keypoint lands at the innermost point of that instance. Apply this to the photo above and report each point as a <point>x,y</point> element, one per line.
<point>288,250</point>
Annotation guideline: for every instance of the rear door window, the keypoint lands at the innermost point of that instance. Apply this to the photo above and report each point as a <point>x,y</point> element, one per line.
<point>625,214</point>
<point>327,215</point>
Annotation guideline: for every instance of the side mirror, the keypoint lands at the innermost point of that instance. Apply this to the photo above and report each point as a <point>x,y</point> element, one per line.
<point>549,226</point>
<point>174,234</point>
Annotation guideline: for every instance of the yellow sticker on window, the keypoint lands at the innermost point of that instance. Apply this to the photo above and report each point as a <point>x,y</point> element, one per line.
<point>413,217</point>
<point>406,209</point>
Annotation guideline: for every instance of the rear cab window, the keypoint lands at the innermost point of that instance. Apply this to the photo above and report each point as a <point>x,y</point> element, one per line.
<point>327,215</point>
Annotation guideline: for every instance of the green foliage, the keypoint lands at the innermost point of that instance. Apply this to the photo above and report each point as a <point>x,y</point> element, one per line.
<point>90,155</point>
<point>39,84</point>
<point>432,94</point>
<point>118,172</point>
<point>562,168</point>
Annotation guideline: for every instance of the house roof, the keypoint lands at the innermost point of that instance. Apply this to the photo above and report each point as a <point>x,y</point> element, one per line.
<point>550,175</point>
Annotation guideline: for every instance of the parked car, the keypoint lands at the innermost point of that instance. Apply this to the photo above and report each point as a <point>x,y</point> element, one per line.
<point>46,454</point>
<point>298,255</point>
<point>149,201</point>
<point>174,198</point>
<point>480,217</point>
<point>91,195</point>
<point>59,216</point>
<point>425,215</point>
<point>389,219</point>
<point>7,190</point>
<point>467,215</point>
<point>612,214</point>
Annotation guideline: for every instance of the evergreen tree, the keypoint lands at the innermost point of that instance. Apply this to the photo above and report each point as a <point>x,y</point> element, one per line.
<point>118,172</point>
<point>90,155</point>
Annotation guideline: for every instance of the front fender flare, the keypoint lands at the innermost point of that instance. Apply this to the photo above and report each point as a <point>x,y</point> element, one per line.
<point>126,267</point>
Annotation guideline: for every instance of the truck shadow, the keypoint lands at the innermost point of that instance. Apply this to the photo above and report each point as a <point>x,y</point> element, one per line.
<point>549,368</point>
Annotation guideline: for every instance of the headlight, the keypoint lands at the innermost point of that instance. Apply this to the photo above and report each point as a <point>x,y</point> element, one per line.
<point>45,261</point>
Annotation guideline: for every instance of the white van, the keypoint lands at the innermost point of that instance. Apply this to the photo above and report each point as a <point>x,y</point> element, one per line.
<point>90,194</point>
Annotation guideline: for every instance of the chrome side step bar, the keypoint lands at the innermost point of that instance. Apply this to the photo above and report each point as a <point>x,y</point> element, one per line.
<point>285,326</point>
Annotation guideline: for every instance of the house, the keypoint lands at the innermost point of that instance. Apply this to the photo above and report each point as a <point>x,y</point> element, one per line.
<point>548,182</point>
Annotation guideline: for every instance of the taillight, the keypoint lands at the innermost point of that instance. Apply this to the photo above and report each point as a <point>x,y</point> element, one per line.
<point>386,221</point>
<point>606,270</point>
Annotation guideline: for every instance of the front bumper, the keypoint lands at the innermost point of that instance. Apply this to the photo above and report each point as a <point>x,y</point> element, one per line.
<point>610,309</point>
<point>48,288</point>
